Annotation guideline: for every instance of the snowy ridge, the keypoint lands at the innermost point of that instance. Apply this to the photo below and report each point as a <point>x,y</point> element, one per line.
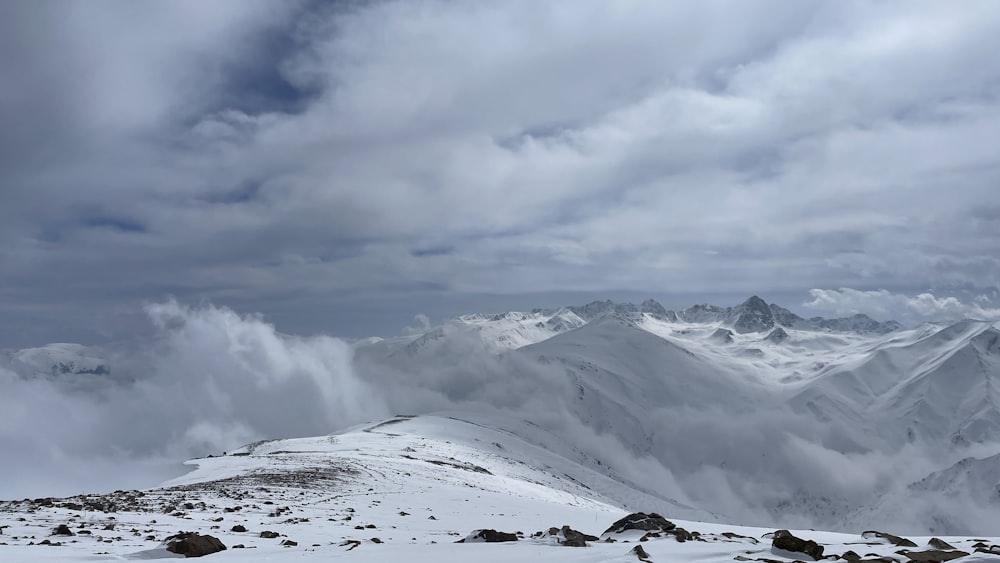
<point>407,488</point>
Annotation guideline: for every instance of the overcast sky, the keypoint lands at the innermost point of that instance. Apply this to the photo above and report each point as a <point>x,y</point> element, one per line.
<point>342,166</point>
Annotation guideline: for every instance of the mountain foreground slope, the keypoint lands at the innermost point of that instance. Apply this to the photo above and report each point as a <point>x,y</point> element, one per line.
<point>413,489</point>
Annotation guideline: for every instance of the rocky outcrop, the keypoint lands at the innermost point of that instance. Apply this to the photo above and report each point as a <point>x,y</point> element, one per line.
<point>193,544</point>
<point>651,522</point>
<point>783,539</point>
<point>777,336</point>
<point>753,315</point>
<point>723,336</point>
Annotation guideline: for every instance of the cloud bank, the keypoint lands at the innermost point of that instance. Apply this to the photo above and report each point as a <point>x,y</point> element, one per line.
<point>910,309</point>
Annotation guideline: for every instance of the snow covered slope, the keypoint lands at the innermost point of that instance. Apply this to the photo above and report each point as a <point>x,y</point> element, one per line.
<point>405,489</point>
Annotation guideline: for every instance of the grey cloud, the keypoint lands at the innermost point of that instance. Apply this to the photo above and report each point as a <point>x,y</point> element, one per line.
<point>246,151</point>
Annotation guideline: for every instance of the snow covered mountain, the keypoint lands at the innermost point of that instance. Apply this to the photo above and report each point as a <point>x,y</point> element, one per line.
<point>761,388</point>
<point>747,414</point>
<point>58,359</point>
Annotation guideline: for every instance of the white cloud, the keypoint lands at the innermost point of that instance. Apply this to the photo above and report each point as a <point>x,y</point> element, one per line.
<point>912,308</point>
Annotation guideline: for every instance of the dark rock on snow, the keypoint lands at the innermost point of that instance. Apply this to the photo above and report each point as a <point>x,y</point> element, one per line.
<point>894,540</point>
<point>491,536</point>
<point>783,539</point>
<point>938,543</point>
<point>193,544</point>
<point>933,555</point>
<point>651,522</point>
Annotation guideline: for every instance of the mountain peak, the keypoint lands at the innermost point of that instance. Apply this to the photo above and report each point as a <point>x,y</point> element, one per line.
<point>753,315</point>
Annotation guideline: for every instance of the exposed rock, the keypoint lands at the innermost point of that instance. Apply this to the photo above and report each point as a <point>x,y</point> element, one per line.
<point>239,528</point>
<point>641,521</point>
<point>574,538</point>
<point>933,555</point>
<point>723,335</point>
<point>268,534</point>
<point>488,536</point>
<point>783,539</point>
<point>193,544</point>
<point>62,530</point>
<point>733,536</point>
<point>894,540</point>
<point>938,543</point>
<point>376,540</point>
<point>753,315</point>
<point>289,543</point>
<point>778,335</point>
<point>639,552</point>
<point>850,556</point>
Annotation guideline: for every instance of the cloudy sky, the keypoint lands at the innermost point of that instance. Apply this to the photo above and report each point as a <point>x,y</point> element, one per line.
<point>342,166</point>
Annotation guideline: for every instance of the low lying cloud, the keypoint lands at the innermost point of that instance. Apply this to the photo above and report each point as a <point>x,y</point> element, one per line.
<point>884,304</point>
<point>207,379</point>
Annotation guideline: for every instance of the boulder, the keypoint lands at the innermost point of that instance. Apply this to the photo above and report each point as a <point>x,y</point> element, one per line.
<point>488,536</point>
<point>639,552</point>
<point>62,530</point>
<point>938,543</point>
<point>268,534</point>
<point>193,544</point>
<point>239,528</point>
<point>651,522</point>
<point>574,538</point>
<point>783,539</point>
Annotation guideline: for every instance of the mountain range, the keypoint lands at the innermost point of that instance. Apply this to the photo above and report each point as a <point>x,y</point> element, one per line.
<point>746,414</point>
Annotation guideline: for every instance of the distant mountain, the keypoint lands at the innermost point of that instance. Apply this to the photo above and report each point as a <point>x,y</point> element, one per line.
<point>58,360</point>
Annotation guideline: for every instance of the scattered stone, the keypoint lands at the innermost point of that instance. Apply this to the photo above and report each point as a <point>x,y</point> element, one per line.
<point>376,540</point>
<point>488,536</point>
<point>239,546</point>
<point>289,543</point>
<point>894,540</point>
<point>239,528</point>
<point>62,530</point>
<point>783,539</point>
<point>431,517</point>
<point>352,543</point>
<point>268,534</point>
<point>401,513</point>
<point>939,543</point>
<point>641,521</point>
<point>193,544</point>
